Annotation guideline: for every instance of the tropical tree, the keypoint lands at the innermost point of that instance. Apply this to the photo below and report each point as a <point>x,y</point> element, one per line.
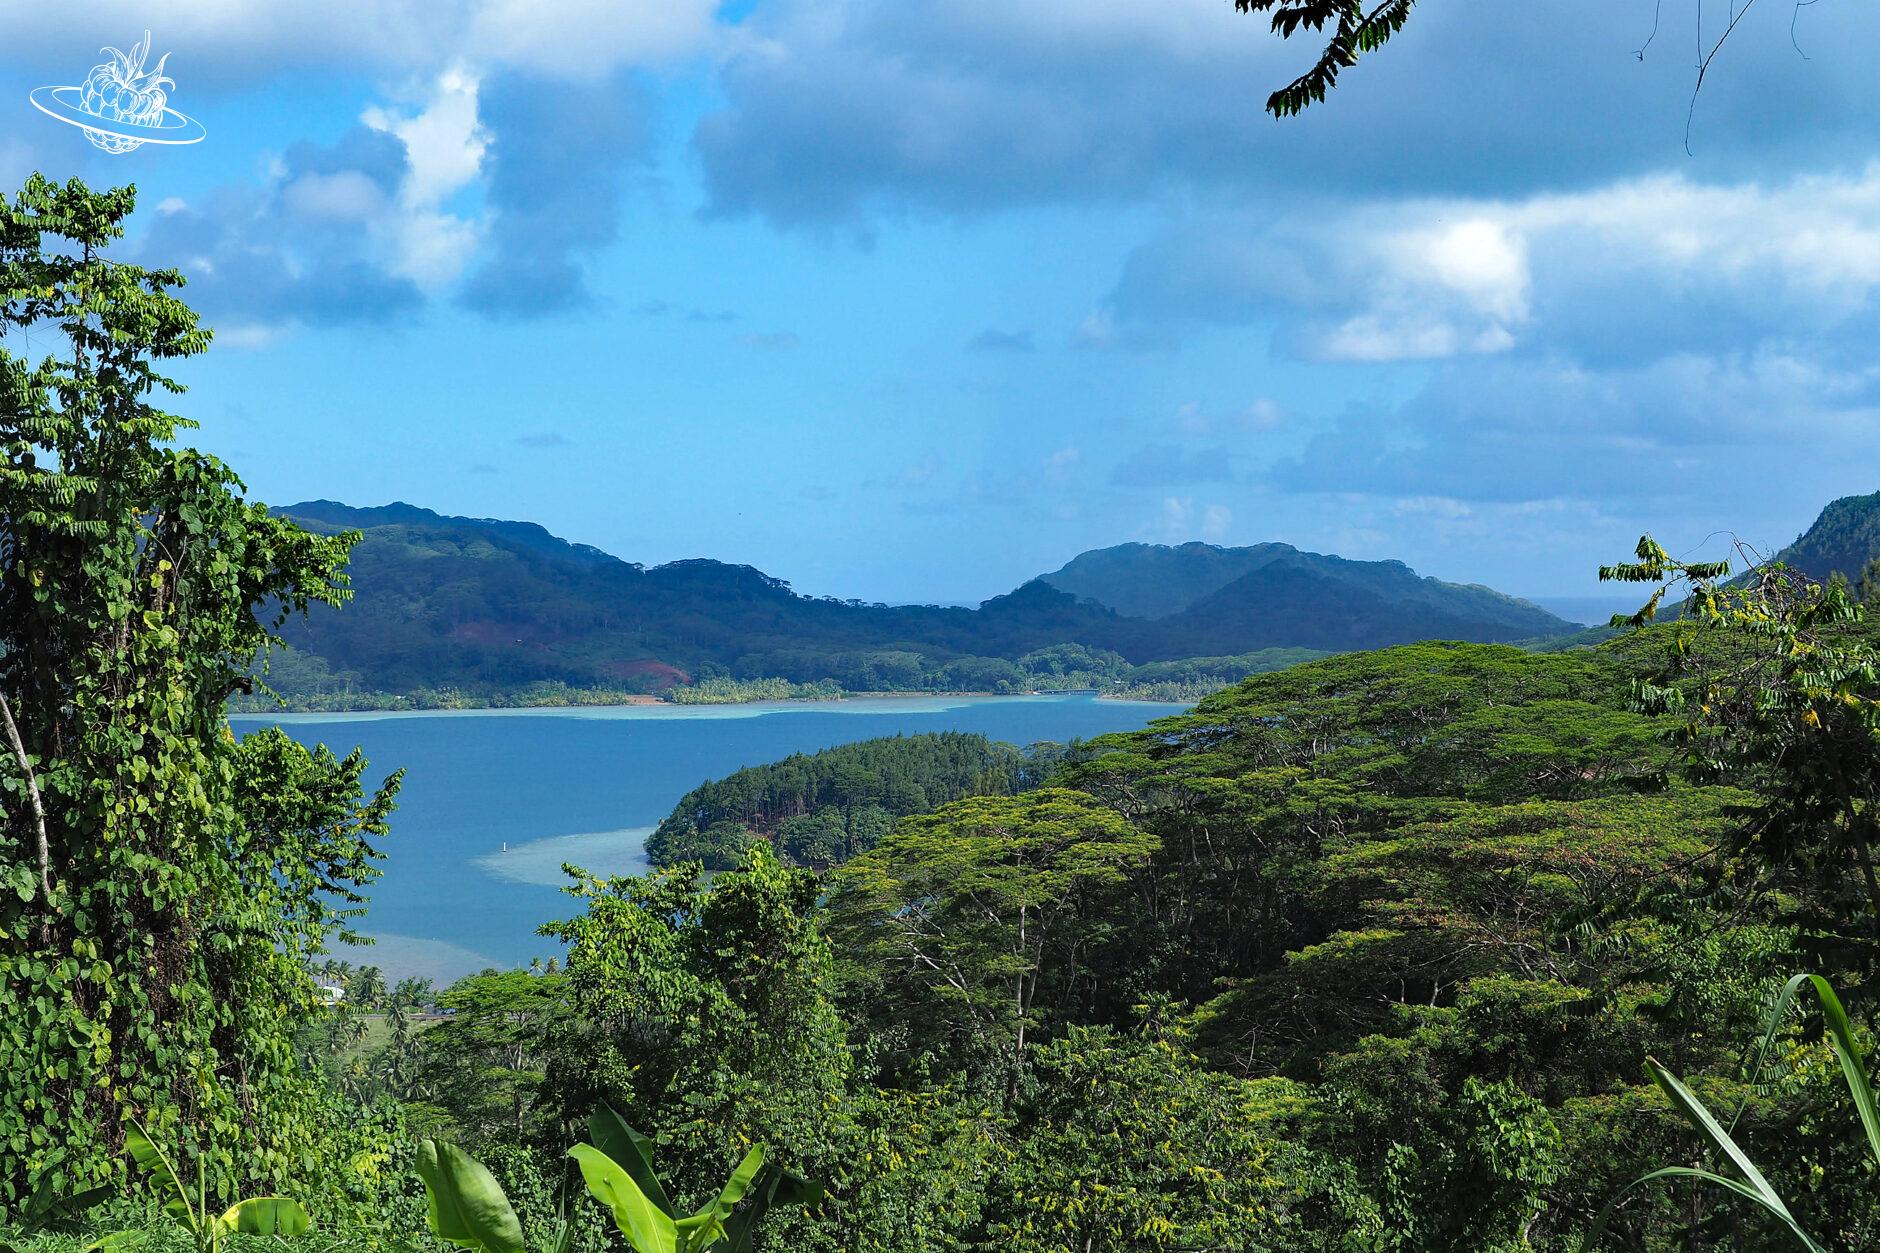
<point>1128,1142</point>
<point>974,919</point>
<point>483,1065</point>
<point>706,1011</point>
<point>1776,687</point>
<point>158,922</point>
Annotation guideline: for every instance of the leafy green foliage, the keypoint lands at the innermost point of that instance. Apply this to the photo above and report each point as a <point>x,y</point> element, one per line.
<point>1843,540</point>
<point>466,1206</point>
<point>485,1062</point>
<point>1775,683</point>
<point>1744,1178</point>
<point>1355,30</point>
<point>1131,1143</point>
<point>1369,954</point>
<point>254,1216</point>
<point>726,691</point>
<point>164,884</point>
<point>706,1012</point>
<point>48,1210</point>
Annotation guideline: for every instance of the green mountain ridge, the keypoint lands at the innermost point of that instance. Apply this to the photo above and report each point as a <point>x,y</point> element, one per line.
<point>487,606</point>
<point>1843,539</point>
<point>1162,581</point>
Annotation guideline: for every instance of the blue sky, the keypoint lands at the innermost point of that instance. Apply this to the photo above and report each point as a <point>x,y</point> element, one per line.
<point>915,300</point>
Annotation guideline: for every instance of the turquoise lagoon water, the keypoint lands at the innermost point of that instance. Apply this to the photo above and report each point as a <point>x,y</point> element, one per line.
<point>494,801</point>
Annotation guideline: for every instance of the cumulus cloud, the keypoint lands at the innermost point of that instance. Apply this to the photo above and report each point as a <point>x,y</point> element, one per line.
<point>588,39</point>
<point>444,146</point>
<point>556,165</point>
<point>1639,266</point>
<point>1683,428</point>
<point>305,247</point>
<point>232,44</point>
<point>372,226</point>
<point>1193,419</point>
<point>499,136</point>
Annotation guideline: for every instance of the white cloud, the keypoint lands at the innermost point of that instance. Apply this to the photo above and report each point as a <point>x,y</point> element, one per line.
<point>443,140</point>
<point>1687,427</point>
<point>1618,268</point>
<point>1215,520</point>
<point>1481,260</point>
<point>249,337</point>
<point>444,150</point>
<point>1431,506</point>
<point>838,111</point>
<point>1194,419</point>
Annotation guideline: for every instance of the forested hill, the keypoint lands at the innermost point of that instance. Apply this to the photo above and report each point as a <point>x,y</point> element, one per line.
<point>1843,540</point>
<point>1200,587</point>
<point>821,808</point>
<point>485,608</point>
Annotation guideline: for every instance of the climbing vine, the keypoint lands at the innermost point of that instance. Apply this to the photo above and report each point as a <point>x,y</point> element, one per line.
<point>161,883</point>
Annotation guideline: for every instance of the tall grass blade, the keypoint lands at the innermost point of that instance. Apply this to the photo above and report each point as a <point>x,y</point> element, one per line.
<point>1778,1211</point>
<point>1754,1185</point>
<point>1845,1050</point>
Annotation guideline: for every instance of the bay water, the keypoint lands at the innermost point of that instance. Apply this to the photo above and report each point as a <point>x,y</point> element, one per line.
<point>495,801</point>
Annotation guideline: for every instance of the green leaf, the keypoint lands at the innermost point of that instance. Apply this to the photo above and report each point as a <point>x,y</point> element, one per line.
<point>467,1206</point>
<point>116,1242</point>
<point>647,1227</point>
<point>630,1151</point>
<point>151,1159</point>
<point>266,1216</point>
